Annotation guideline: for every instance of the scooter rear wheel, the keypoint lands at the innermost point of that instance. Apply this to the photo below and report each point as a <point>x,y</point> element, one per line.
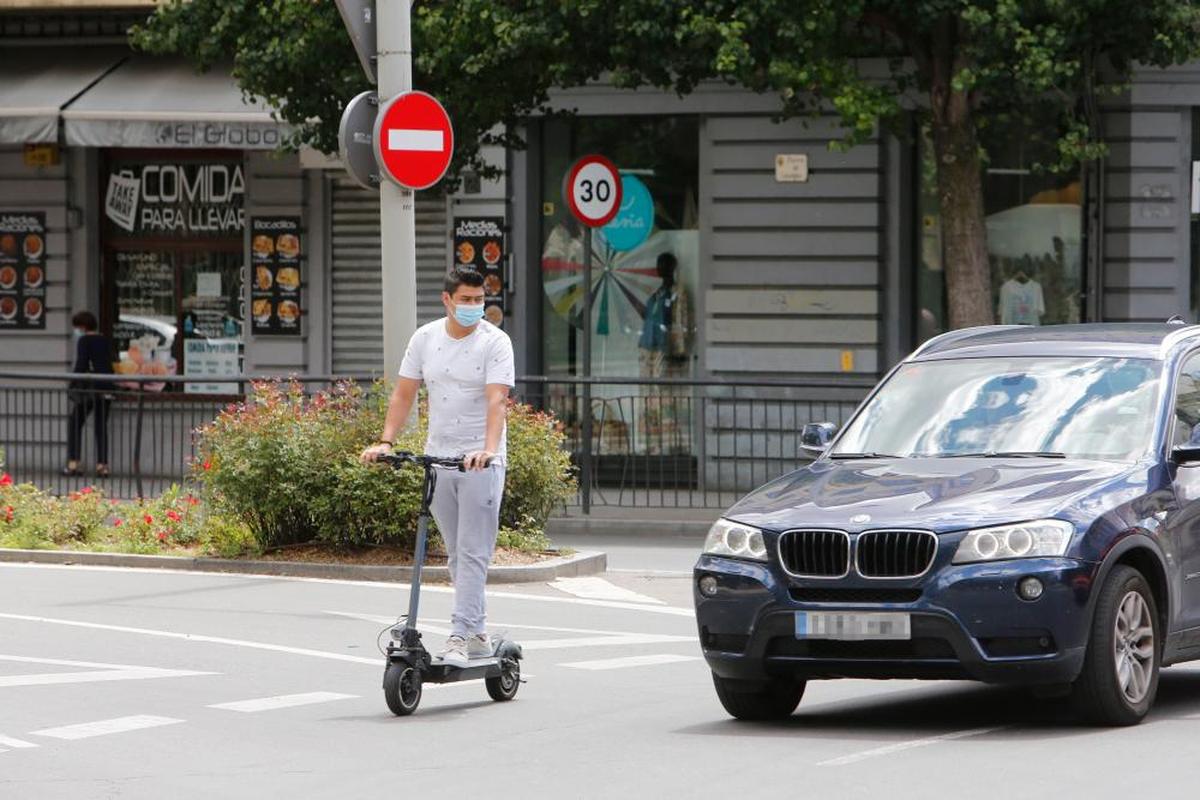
<point>504,687</point>
<point>402,689</point>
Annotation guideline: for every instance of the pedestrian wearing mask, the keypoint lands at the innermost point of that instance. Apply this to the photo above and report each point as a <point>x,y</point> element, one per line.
<point>93,356</point>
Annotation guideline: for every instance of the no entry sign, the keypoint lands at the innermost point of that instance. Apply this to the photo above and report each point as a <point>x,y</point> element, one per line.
<point>413,140</point>
<point>592,190</point>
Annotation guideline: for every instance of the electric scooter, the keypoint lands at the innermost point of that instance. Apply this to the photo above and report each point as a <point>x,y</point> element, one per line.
<point>409,664</point>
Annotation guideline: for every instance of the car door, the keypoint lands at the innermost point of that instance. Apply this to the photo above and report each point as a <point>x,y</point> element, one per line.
<point>1185,523</point>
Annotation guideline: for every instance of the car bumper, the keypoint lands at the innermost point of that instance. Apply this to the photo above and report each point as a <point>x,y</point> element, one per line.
<point>967,622</point>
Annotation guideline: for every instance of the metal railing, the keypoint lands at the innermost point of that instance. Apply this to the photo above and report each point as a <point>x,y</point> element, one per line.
<point>684,443</point>
<point>666,443</point>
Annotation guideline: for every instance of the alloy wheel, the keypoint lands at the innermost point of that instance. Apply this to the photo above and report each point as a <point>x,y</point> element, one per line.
<point>1134,647</point>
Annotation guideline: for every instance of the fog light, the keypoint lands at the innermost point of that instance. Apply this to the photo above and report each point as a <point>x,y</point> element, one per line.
<point>1030,589</point>
<point>708,586</point>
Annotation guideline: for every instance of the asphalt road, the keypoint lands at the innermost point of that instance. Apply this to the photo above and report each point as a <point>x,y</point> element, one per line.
<point>139,684</point>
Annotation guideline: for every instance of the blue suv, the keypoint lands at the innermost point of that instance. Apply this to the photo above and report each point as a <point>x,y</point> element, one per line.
<point>1011,504</point>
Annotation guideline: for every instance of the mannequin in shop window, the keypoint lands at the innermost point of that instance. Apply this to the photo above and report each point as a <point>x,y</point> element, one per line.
<point>1021,300</point>
<point>663,352</point>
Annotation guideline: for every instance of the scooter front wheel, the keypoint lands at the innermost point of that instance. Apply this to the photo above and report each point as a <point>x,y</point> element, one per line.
<point>402,689</point>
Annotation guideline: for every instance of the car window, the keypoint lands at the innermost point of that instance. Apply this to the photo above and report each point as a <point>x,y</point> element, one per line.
<point>1187,402</point>
<point>1081,407</point>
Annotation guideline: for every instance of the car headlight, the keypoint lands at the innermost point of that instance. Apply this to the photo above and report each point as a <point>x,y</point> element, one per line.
<point>1046,537</point>
<point>728,538</point>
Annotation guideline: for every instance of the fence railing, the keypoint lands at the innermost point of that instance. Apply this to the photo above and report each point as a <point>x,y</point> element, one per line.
<point>674,443</point>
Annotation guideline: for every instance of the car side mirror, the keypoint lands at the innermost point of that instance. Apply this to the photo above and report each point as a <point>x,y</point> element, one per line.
<point>816,436</point>
<point>1185,453</point>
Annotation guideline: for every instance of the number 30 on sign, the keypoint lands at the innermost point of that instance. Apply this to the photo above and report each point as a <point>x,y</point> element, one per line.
<point>592,190</point>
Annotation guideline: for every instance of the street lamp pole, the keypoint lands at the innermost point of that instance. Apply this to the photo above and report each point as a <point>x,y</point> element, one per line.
<point>397,206</point>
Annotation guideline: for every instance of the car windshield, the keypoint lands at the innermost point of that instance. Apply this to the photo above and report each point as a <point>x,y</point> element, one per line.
<point>1101,408</point>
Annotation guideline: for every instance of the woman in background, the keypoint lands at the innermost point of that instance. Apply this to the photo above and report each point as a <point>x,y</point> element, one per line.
<point>93,356</point>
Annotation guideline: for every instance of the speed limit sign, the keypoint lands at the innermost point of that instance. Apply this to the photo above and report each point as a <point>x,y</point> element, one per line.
<point>592,190</point>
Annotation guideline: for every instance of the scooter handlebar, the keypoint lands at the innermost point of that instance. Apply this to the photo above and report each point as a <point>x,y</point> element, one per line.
<point>398,458</point>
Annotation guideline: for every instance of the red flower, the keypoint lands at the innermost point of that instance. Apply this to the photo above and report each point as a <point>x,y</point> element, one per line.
<point>162,536</point>
<point>207,465</point>
<point>174,516</point>
<point>118,522</point>
<point>192,501</point>
<point>8,513</point>
<point>149,519</point>
<point>87,490</point>
<point>6,479</point>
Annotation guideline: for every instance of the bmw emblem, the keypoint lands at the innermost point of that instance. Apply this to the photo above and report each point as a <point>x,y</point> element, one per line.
<point>859,519</point>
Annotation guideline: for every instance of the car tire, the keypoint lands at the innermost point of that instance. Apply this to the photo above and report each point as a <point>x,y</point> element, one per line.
<point>759,700</point>
<point>1119,679</point>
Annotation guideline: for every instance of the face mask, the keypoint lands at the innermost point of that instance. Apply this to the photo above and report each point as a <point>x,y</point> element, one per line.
<point>468,315</point>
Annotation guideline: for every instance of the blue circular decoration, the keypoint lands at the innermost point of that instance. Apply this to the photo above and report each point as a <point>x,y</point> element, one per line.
<point>633,222</point>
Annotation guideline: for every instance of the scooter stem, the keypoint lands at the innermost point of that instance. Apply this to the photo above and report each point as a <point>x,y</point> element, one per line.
<point>414,596</point>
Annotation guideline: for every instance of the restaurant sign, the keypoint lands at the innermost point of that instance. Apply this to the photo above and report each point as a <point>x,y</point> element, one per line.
<point>176,200</point>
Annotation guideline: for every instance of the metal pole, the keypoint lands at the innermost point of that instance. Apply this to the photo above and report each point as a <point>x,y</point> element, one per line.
<point>397,207</point>
<point>585,471</point>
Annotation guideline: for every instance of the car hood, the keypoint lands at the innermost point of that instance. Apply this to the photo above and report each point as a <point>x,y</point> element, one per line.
<point>938,494</point>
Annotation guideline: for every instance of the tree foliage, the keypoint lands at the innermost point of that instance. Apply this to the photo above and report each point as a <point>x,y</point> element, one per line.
<point>960,65</point>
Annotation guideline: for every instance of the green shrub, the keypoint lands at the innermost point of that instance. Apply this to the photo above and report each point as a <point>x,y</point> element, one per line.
<point>286,466</point>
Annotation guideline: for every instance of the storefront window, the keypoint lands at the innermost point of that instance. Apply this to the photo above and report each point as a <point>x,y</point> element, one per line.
<point>1034,235</point>
<point>644,274</point>
<point>173,260</point>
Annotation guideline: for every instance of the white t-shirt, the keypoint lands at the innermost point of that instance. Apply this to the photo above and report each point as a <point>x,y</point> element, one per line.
<point>1021,303</point>
<point>455,372</point>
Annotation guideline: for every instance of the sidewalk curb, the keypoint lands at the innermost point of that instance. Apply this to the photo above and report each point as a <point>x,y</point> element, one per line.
<point>581,563</point>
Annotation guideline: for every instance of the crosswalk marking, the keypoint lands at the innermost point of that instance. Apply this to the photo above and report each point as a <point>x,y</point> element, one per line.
<point>104,727</point>
<point>592,588</point>
<point>630,661</point>
<point>282,701</point>
<point>601,638</point>
<point>15,744</point>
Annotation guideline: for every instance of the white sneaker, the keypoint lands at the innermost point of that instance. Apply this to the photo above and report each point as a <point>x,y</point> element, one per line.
<point>454,654</point>
<point>479,646</point>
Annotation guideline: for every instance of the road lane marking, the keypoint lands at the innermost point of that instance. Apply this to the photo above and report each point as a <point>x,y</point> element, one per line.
<point>99,672</point>
<point>105,727</point>
<point>630,661</point>
<point>282,701</point>
<point>15,744</point>
<point>602,639</point>
<point>590,587</point>
<point>195,637</point>
<point>675,611</point>
<point>899,747</point>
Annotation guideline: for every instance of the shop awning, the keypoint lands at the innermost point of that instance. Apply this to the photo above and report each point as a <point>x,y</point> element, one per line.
<point>38,82</point>
<point>160,102</point>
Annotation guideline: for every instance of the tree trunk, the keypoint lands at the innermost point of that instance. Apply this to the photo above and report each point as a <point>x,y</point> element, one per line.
<point>960,191</point>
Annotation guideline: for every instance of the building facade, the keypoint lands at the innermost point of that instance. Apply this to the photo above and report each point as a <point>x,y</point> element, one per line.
<point>158,198</point>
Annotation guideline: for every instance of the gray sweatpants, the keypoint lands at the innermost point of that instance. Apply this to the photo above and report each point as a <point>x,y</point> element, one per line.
<point>466,506</point>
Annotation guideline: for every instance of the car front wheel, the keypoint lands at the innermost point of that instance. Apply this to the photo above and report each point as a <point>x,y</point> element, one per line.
<point>1120,672</point>
<point>759,700</point>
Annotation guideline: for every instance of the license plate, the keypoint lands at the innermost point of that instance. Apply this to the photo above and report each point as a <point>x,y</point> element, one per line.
<point>852,627</point>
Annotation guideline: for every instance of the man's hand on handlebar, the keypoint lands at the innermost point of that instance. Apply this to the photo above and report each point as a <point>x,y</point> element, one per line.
<point>373,452</point>
<point>479,459</point>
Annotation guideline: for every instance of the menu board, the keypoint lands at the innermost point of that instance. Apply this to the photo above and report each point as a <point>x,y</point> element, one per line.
<point>144,331</point>
<point>209,358</point>
<point>479,243</point>
<point>275,255</point>
<point>22,270</point>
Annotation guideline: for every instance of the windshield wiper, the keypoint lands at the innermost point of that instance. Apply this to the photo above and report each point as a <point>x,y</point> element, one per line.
<point>862,455</point>
<point>1007,454</point>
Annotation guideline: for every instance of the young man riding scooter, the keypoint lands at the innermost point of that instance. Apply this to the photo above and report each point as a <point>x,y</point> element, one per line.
<point>466,364</point>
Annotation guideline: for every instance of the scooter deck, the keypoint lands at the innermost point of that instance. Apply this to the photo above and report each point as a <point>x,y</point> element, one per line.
<point>475,669</point>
